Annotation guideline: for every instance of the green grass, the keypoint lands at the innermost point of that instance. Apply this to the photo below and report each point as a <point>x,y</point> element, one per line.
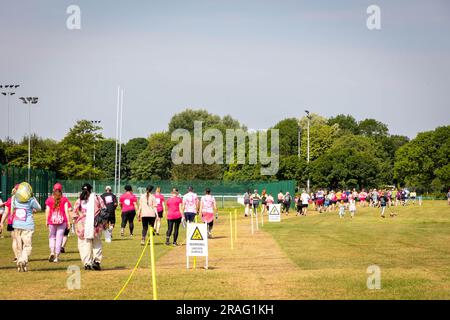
<point>325,258</point>
<point>411,250</point>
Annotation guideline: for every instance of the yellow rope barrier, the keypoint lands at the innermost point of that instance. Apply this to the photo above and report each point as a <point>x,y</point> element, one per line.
<point>135,267</point>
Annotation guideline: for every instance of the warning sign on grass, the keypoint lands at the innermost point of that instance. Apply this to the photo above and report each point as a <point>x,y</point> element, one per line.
<point>274,212</point>
<point>196,240</point>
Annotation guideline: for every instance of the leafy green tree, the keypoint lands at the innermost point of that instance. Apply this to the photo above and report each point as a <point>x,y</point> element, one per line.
<point>372,127</point>
<point>154,163</point>
<point>105,158</point>
<point>423,163</point>
<point>351,162</point>
<point>288,134</point>
<point>77,153</point>
<point>322,136</point>
<point>185,120</point>
<point>346,123</point>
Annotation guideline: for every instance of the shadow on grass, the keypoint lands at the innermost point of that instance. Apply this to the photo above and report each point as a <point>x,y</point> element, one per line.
<point>61,260</point>
<point>115,268</point>
<point>6,268</point>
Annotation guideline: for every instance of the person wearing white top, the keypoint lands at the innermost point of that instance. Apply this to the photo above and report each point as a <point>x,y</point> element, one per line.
<point>304,197</point>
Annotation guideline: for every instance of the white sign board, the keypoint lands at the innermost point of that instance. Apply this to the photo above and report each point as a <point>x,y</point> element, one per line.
<point>274,212</point>
<point>197,240</point>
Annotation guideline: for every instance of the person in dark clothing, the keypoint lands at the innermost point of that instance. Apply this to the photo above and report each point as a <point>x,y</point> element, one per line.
<point>111,203</point>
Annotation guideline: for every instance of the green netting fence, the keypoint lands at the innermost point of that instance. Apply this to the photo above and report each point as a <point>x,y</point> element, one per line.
<point>224,191</point>
<point>42,181</point>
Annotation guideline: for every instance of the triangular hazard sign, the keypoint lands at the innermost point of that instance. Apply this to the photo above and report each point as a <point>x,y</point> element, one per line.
<point>274,211</point>
<point>197,235</point>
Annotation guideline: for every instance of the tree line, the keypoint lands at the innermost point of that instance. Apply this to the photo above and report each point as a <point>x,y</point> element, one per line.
<point>344,153</point>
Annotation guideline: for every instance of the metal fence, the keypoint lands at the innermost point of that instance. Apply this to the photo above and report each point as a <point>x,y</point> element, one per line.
<point>41,180</point>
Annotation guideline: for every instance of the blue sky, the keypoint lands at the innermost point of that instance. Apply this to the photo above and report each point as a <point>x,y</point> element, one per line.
<point>259,61</point>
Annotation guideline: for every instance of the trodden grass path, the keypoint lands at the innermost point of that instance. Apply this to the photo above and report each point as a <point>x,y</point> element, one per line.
<point>256,268</point>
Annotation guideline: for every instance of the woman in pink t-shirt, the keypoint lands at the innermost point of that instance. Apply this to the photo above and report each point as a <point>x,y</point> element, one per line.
<point>9,215</point>
<point>129,208</point>
<point>174,216</point>
<point>207,209</point>
<point>160,208</point>
<point>57,216</point>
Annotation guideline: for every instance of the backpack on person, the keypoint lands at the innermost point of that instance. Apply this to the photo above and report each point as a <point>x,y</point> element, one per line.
<point>102,217</point>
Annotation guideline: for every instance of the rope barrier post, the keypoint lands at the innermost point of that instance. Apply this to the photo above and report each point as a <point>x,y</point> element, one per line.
<point>256,214</point>
<point>195,258</point>
<point>251,221</point>
<point>262,215</point>
<point>152,259</point>
<point>231,231</point>
<point>235,224</point>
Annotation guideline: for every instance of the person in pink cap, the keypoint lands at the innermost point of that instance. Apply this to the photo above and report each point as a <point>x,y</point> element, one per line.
<point>57,220</point>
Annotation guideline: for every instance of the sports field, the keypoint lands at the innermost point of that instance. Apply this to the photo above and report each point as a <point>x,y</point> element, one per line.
<point>315,257</point>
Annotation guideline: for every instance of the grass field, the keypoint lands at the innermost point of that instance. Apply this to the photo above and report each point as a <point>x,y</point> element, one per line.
<point>315,257</point>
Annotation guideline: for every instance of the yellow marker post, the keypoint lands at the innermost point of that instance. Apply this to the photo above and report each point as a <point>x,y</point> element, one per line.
<point>195,258</point>
<point>231,231</point>
<point>262,216</point>
<point>152,258</point>
<point>235,224</point>
<point>251,220</point>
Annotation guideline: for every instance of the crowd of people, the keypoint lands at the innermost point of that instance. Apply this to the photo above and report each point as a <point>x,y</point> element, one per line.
<point>92,216</point>
<point>342,200</point>
<point>331,201</point>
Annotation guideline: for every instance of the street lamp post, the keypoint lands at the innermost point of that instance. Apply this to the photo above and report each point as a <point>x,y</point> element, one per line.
<point>7,90</point>
<point>308,116</point>
<point>29,101</point>
<point>95,122</point>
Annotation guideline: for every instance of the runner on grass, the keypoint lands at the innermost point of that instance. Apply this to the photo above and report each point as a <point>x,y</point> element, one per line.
<point>207,209</point>
<point>57,220</point>
<point>147,212</point>
<point>362,198</point>
<point>304,198</point>
<point>160,207</point>
<point>86,209</point>
<point>263,201</point>
<point>190,205</point>
<point>280,199</point>
<point>174,216</point>
<point>383,202</point>
<point>8,215</point>
<point>333,200</point>
<point>320,198</point>
<point>254,200</point>
<point>23,205</point>
<point>287,202</point>
<point>111,203</point>
<point>128,203</point>
<point>352,206</point>
<point>247,196</point>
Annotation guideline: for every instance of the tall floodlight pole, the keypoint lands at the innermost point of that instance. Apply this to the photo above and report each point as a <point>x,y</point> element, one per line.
<point>120,137</point>
<point>95,122</point>
<point>8,91</point>
<point>117,139</point>
<point>308,116</point>
<point>29,101</point>
<point>299,145</point>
